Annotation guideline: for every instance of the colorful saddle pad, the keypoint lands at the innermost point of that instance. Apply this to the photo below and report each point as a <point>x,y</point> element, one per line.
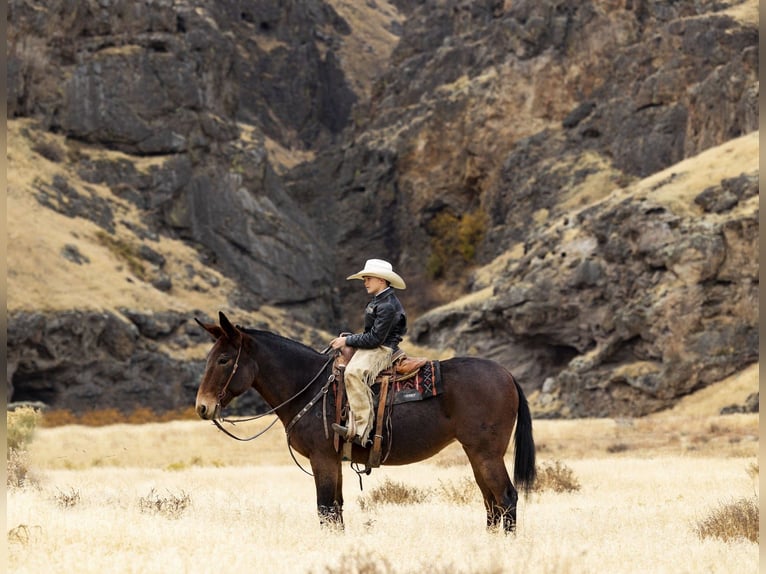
<point>425,384</point>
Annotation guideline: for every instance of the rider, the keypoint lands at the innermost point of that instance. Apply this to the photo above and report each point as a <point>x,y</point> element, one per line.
<point>384,326</point>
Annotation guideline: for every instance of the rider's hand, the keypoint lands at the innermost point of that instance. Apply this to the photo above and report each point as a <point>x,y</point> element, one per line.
<point>338,343</point>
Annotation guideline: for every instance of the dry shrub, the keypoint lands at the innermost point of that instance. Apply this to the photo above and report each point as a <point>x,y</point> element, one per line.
<point>556,476</point>
<point>366,562</point>
<point>67,499</point>
<point>737,519</point>
<point>181,465</point>
<point>24,533</point>
<point>20,428</point>
<point>391,492</point>
<point>454,240</point>
<point>21,424</point>
<point>170,506</point>
<point>361,562</point>
<point>18,475</point>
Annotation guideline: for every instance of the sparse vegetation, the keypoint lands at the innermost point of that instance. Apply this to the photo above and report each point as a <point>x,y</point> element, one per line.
<point>68,499</point>
<point>454,239</point>
<point>730,521</point>
<point>556,476</point>
<point>24,533</point>
<point>20,427</point>
<point>361,562</point>
<point>171,505</point>
<point>18,469</point>
<point>125,252</point>
<point>182,465</point>
<point>259,495</point>
<point>392,492</point>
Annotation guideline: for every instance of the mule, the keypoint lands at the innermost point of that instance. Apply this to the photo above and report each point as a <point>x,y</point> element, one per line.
<point>480,404</point>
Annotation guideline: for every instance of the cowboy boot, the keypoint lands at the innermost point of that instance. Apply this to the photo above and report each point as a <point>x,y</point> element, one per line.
<point>343,432</point>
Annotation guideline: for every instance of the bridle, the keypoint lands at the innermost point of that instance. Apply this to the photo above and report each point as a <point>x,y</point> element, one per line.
<point>225,387</point>
<point>288,428</point>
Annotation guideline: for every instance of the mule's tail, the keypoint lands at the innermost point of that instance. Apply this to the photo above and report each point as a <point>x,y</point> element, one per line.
<point>524,470</point>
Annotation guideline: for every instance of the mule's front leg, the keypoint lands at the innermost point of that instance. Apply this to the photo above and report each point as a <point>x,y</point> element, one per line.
<point>328,481</point>
<point>331,516</point>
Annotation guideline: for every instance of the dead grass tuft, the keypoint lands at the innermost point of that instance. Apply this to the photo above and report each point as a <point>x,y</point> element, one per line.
<point>67,499</point>
<point>392,492</point>
<point>20,428</point>
<point>170,506</point>
<point>731,521</point>
<point>360,562</point>
<point>24,534</point>
<point>556,476</point>
<point>18,475</point>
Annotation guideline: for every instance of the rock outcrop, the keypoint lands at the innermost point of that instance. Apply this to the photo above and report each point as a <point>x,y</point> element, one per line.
<point>77,358</point>
<point>499,112</point>
<point>622,307</point>
<point>524,159</point>
<point>175,80</point>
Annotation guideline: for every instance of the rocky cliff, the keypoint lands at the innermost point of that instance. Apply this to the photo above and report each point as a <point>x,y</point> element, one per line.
<point>568,187</point>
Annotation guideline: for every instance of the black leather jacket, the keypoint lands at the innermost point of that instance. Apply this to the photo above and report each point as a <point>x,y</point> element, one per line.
<point>384,323</point>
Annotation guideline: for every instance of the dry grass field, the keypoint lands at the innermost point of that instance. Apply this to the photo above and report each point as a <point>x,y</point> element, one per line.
<point>182,497</point>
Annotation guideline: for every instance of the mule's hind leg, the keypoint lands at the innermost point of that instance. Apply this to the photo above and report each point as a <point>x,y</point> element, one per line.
<point>500,496</point>
<point>494,515</point>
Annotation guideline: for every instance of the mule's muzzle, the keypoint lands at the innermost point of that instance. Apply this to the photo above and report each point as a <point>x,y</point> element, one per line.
<point>207,412</point>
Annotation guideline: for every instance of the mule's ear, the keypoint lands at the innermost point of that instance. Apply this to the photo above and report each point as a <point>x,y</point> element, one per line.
<point>230,330</point>
<point>215,331</point>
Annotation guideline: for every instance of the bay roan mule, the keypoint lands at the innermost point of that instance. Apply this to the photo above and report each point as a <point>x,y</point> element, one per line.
<point>478,408</point>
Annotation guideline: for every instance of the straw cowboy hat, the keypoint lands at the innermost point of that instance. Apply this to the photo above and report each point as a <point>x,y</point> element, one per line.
<point>382,270</point>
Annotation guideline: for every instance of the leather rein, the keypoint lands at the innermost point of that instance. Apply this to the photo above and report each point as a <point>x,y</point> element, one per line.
<point>322,393</point>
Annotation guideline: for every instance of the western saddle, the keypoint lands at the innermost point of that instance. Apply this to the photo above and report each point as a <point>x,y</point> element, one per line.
<point>402,368</point>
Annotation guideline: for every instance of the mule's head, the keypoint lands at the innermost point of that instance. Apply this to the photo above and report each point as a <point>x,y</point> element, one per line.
<point>229,371</point>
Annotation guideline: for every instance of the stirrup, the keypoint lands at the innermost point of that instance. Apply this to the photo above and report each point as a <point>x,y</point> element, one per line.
<point>361,442</point>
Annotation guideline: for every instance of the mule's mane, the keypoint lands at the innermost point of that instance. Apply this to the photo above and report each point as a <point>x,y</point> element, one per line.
<point>278,339</point>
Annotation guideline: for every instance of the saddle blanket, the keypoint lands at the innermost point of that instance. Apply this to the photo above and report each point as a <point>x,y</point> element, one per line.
<point>425,384</point>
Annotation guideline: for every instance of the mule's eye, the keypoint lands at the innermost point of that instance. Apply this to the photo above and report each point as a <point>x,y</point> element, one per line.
<point>223,360</point>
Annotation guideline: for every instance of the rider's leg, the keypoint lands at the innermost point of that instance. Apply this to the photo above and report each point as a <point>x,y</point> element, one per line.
<point>359,375</point>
